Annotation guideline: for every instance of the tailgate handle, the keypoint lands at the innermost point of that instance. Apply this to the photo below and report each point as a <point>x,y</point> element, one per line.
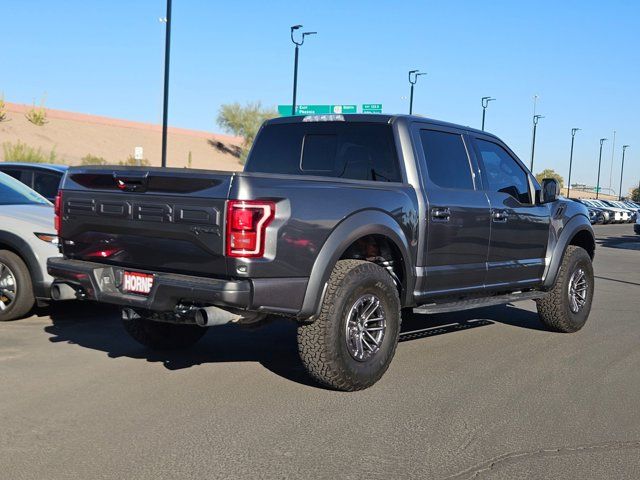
<point>131,182</point>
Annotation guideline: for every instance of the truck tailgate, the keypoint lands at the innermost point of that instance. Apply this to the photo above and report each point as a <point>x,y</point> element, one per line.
<point>168,220</point>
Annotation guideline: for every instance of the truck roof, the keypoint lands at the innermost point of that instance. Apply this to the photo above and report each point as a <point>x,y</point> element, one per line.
<point>377,118</point>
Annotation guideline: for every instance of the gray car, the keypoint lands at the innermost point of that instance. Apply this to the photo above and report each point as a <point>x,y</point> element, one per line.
<point>27,239</point>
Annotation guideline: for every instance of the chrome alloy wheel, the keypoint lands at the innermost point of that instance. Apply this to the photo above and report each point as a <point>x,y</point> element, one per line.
<point>365,327</point>
<point>8,287</point>
<point>578,290</point>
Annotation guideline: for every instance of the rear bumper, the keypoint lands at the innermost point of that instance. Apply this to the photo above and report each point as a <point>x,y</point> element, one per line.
<point>101,282</point>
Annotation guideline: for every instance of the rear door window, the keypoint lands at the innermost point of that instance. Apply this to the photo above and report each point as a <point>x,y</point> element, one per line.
<point>359,151</point>
<point>447,159</point>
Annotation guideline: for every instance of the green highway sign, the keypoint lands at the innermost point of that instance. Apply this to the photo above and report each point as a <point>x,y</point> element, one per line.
<point>285,110</point>
<point>371,108</point>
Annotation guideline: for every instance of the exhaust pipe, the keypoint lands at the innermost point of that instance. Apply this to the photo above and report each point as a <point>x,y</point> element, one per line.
<point>212,316</point>
<point>62,291</point>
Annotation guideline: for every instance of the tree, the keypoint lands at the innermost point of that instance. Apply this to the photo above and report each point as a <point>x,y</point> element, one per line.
<point>635,194</point>
<point>90,159</point>
<point>549,173</point>
<point>244,121</point>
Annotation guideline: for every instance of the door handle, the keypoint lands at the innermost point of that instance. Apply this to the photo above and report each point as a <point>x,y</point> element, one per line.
<point>440,214</point>
<point>499,216</point>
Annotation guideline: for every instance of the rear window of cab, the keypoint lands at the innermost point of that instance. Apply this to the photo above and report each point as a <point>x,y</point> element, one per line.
<point>359,151</point>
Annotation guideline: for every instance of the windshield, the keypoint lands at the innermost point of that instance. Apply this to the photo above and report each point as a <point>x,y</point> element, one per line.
<point>14,192</point>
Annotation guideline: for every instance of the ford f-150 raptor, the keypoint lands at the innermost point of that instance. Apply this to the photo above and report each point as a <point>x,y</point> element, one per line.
<point>338,222</point>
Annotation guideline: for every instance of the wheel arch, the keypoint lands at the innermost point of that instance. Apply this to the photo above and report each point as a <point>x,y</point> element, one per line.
<point>360,225</point>
<point>579,232</point>
<point>15,244</point>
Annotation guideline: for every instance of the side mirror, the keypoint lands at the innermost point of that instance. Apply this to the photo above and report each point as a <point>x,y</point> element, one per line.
<point>550,190</point>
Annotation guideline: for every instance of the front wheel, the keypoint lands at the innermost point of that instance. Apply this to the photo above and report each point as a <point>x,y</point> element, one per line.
<point>351,343</point>
<point>567,306</point>
<point>162,335</point>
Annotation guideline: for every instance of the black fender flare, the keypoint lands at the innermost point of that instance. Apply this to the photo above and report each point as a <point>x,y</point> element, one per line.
<point>357,225</point>
<point>21,248</point>
<point>575,225</point>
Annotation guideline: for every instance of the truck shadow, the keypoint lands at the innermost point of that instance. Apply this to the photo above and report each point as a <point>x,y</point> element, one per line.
<point>273,345</point>
<point>626,242</point>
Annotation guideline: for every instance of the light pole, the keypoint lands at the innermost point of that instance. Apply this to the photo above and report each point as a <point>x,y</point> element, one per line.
<point>602,140</point>
<point>624,148</point>
<point>485,104</point>
<point>413,81</point>
<point>533,143</point>
<point>165,106</point>
<point>573,137</point>
<point>295,63</point>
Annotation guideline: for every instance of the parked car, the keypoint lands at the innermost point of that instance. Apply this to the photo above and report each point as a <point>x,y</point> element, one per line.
<point>607,214</point>
<point>596,216</point>
<point>617,215</point>
<point>44,178</point>
<point>27,239</point>
<point>628,218</point>
<point>636,226</point>
<point>634,207</point>
<point>337,222</point>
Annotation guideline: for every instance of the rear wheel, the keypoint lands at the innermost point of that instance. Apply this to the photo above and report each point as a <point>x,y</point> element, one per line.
<point>16,289</point>
<point>567,306</point>
<point>162,335</point>
<point>351,343</point>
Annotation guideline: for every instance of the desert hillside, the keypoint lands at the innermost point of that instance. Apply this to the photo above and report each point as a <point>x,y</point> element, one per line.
<point>74,135</point>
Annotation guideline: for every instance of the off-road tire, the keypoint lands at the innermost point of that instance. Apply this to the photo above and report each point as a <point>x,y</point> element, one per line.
<point>162,335</point>
<point>24,298</point>
<point>554,309</point>
<point>322,344</point>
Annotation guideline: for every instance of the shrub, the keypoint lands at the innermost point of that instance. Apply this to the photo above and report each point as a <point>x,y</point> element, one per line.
<point>37,115</point>
<point>3,109</point>
<point>21,152</point>
<point>89,159</point>
<point>132,162</point>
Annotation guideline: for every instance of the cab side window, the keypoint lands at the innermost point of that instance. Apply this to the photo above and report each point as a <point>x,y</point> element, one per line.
<point>447,160</point>
<point>503,173</point>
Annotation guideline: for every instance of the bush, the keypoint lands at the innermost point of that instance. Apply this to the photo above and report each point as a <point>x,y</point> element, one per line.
<point>132,162</point>
<point>21,152</point>
<point>244,122</point>
<point>635,195</point>
<point>3,109</point>
<point>89,159</point>
<point>37,115</point>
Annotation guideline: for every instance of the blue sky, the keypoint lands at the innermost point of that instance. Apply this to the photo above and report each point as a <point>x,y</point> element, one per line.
<point>581,58</point>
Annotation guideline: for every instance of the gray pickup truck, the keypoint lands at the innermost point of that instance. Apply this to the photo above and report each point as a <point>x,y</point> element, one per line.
<point>338,223</point>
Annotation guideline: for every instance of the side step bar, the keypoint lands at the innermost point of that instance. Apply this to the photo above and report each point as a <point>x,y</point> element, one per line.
<point>445,306</point>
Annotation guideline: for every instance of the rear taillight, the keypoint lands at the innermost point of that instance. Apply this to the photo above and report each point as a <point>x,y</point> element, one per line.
<point>247,222</point>
<point>57,210</point>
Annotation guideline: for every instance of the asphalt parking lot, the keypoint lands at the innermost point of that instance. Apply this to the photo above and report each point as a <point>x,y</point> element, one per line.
<point>486,393</point>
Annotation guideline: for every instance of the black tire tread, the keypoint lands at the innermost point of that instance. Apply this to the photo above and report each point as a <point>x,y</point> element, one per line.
<point>322,363</point>
<point>553,308</point>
